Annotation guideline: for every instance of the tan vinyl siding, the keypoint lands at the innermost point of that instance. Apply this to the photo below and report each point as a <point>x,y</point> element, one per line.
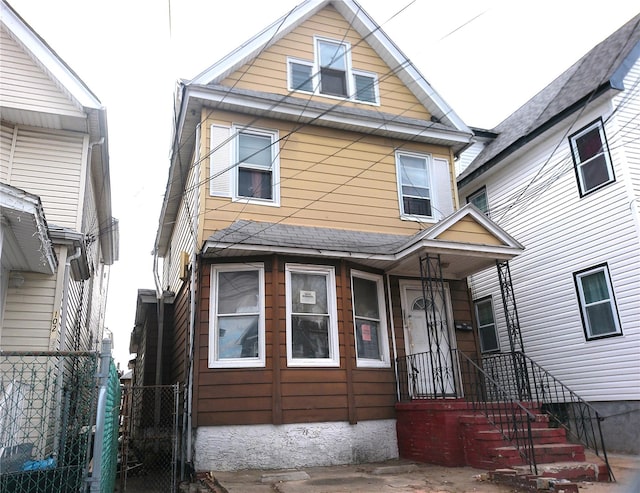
<point>49,165</point>
<point>268,72</point>
<point>327,177</point>
<point>28,313</point>
<point>467,230</point>
<point>25,85</point>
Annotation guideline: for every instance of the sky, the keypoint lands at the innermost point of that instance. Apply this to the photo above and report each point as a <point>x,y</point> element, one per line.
<point>485,58</point>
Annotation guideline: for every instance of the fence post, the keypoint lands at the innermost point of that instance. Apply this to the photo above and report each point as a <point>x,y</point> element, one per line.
<point>98,439</point>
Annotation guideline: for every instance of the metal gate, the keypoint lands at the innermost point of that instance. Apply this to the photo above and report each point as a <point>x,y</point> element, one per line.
<point>149,439</point>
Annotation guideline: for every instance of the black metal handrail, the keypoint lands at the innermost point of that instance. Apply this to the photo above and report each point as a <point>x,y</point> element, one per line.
<point>486,395</point>
<point>564,407</point>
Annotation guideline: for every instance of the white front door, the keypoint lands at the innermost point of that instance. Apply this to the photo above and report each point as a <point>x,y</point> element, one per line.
<point>428,346</point>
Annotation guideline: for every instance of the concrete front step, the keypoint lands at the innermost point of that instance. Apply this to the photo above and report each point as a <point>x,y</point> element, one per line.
<point>509,456</point>
<point>588,470</point>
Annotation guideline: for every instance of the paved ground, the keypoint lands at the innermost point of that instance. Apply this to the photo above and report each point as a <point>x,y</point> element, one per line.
<point>402,477</point>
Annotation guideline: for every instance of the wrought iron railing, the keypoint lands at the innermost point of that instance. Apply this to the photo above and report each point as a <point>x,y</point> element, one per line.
<point>564,407</point>
<point>504,411</point>
<point>508,388</point>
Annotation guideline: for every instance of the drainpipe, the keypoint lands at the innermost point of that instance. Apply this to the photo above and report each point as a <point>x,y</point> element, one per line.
<point>63,341</point>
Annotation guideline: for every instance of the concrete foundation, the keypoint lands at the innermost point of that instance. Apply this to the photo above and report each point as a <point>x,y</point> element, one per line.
<point>621,426</point>
<point>233,448</point>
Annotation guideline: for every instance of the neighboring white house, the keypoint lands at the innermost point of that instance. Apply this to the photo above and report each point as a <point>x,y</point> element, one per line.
<point>563,176</point>
<point>57,235</point>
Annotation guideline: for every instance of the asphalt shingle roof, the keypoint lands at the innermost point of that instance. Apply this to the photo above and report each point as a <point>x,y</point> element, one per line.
<point>585,77</point>
<point>245,232</point>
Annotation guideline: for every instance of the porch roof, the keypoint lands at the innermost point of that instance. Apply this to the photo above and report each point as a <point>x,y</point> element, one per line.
<point>26,241</point>
<point>463,250</point>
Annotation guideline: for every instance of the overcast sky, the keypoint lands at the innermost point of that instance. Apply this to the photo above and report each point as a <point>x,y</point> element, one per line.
<point>484,57</point>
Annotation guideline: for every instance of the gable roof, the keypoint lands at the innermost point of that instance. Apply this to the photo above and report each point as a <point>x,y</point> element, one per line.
<point>600,70</point>
<point>92,119</point>
<point>365,26</point>
<point>396,254</point>
<point>446,128</point>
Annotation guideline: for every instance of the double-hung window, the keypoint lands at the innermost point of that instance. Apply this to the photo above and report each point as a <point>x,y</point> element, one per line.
<point>312,320</point>
<point>591,158</point>
<point>256,157</point>
<point>245,164</point>
<point>333,69</point>
<point>236,316</point>
<point>372,347</point>
<point>365,87</point>
<point>414,184</point>
<point>486,325</point>
<point>597,303</point>
<point>479,199</point>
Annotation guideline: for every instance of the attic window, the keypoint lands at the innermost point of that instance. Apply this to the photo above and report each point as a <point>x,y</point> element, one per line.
<point>331,74</point>
<point>332,61</point>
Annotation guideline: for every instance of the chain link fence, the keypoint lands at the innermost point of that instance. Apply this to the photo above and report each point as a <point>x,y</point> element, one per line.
<point>47,409</point>
<point>149,442</point>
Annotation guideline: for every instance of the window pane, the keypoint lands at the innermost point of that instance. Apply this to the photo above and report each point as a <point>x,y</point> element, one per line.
<point>367,342</point>
<point>301,77</point>
<point>332,55</point>
<point>485,313</point>
<point>310,336</point>
<point>589,144</point>
<point>594,173</point>
<point>417,207</point>
<point>238,292</point>
<point>365,298</point>
<point>595,287</point>
<point>254,149</point>
<point>488,338</point>
<point>309,293</point>
<point>414,171</point>
<point>238,337</point>
<point>333,82</point>
<point>365,90</point>
<point>601,320</point>
<point>254,183</point>
<point>480,201</point>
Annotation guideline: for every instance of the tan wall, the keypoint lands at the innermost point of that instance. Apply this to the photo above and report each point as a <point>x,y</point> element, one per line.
<point>269,71</point>
<point>468,230</point>
<point>328,178</point>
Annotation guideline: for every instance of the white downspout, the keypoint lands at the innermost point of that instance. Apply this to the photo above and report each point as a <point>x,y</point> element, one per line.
<point>62,346</point>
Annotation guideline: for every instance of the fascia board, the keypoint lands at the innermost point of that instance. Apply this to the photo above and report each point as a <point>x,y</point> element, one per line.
<point>291,111</point>
<point>45,55</point>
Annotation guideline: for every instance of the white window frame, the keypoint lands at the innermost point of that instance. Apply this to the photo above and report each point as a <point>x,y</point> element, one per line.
<point>487,299</point>
<point>383,339</point>
<point>347,61</point>
<point>275,165</point>
<point>214,361</point>
<point>610,301</point>
<point>334,349</point>
<point>312,81</point>
<point>376,91</point>
<point>578,164</point>
<point>432,194</point>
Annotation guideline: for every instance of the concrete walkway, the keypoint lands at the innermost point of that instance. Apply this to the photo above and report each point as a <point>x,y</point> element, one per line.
<point>401,477</point>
